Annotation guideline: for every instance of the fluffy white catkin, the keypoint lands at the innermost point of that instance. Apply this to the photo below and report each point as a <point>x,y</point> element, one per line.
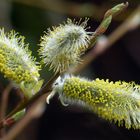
<point>63,46</point>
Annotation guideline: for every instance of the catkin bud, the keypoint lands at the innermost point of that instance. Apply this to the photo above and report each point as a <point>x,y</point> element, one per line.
<point>63,46</point>
<point>16,62</point>
<point>118,102</point>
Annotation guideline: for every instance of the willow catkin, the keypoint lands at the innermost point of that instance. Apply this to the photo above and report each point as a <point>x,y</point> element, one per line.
<point>63,46</point>
<point>16,62</point>
<point>118,102</point>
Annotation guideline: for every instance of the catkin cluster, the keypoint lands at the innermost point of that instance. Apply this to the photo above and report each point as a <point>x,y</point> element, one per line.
<point>61,48</point>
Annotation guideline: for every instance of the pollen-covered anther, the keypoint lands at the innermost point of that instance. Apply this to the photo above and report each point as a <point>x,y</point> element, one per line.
<point>64,45</point>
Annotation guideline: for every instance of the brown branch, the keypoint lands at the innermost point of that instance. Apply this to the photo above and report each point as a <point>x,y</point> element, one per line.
<point>4,103</point>
<point>46,88</point>
<point>34,112</point>
<point>38,100</point>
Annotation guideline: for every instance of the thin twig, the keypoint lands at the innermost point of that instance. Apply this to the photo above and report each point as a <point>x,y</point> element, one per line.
<point>46,88</point>
<point>106,21</point>
<point>132,22</point>
<point>34,112</point>
<point>4,103</point>
<point>1,87</point>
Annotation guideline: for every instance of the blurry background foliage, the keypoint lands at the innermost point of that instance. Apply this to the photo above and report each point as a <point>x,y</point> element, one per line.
<point>121,62</point>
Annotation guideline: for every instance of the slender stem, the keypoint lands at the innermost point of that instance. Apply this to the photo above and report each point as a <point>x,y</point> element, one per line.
<point>46,88</point>
<point>4,103</point>
<point>106,21</point>
<point>132,22</point>
<point>34,112</point>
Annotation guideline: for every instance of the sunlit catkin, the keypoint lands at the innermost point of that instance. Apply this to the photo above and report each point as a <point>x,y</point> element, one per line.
<point>118,102</point>
<point>16,62</point>
<point>63,46</point>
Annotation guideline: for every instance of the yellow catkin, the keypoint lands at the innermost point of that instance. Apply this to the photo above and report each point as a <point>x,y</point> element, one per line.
<point>118,102</point>
<point>16,62</point>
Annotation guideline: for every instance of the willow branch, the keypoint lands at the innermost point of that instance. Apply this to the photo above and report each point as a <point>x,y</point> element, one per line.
<point>34,112</point>
<point>45,89</point>
<point>132,22</point>
<point>106,21</point>
<point>4,103</point>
